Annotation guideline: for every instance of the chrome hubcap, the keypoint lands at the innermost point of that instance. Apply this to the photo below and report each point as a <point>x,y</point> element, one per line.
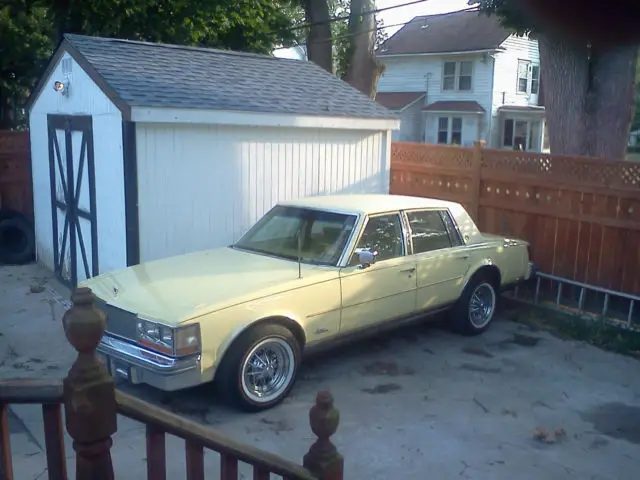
<point>482,305</point>
<point>268,370</point>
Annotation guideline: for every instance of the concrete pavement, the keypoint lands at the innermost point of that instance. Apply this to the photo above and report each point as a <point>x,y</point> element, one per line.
<point>420,403</point>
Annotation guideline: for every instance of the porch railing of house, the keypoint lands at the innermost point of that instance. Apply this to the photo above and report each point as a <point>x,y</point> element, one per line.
<point>91,404</point>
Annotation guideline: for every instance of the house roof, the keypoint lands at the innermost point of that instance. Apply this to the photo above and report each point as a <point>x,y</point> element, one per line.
<point>462,31</point>
<point>463,106</point>
<point>397,100</point>
<point>142,74</point>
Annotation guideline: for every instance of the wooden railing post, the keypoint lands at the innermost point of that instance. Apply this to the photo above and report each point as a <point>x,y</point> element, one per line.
<point>476,178</point>
<point>89,391</point>
<point>323,458</point>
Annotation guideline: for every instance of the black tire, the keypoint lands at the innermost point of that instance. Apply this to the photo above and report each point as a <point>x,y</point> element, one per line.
<point>229,379</point>
<point>462,320</point>
<point>17,240</point>
<point>6,213</point>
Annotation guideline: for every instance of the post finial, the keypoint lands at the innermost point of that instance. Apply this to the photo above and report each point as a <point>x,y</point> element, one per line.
<point>83,324</point>
<point>323,458</point>
<point>89,390</point>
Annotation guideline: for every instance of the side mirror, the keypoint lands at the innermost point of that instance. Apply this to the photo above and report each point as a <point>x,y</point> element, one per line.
<point>366,258</point>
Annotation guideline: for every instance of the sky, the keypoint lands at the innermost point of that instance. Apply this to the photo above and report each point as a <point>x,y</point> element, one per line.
<point>400,15</point>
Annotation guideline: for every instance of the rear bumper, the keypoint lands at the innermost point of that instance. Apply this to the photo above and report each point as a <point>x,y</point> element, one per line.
<point>531,271</point>
<point>141,365</point>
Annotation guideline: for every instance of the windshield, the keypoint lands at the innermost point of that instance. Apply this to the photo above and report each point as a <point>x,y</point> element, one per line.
<point>314,236</point>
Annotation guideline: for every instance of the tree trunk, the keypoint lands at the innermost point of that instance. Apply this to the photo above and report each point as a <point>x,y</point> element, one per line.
<point>319,44</point>
<point>564,69</point>
<point>610,102</point>
<point>363,70</point>
<point>589,97</point>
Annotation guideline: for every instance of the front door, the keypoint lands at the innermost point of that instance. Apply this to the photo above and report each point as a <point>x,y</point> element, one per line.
<point>73,198</point>
<point>441,259</point>
<point>387,288</point>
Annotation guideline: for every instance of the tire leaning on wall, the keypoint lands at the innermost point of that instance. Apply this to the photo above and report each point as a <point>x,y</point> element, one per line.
<point>17,239</point>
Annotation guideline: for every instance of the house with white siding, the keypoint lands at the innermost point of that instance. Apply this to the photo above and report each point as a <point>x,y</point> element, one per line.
<point>142,151</point>
<point>460,77</point>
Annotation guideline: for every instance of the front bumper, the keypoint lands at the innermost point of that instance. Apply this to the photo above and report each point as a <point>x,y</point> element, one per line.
<point>141,365</point>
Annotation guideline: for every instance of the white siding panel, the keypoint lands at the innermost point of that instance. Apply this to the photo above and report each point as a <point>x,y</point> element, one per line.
<point>424,74</point>
<point>202,187</point>
<point>110,214</point>
<point>411,124</point>
<point>41,189</point>
<point>84,98</point>
<point>506,80</point>
<point>506,73</point>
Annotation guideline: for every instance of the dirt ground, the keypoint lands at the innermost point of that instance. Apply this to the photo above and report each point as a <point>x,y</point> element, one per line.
<point>420,403</point>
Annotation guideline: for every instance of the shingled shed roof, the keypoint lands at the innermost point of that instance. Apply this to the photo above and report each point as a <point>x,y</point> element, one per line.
<point>463,31</point>
<point>142,74</point>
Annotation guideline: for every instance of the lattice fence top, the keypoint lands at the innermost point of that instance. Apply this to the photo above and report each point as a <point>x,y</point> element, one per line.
<point>574,170</point>
<point>435,155</point>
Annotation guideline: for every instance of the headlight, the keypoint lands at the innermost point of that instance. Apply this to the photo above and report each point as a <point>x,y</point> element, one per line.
<point>177,341</point>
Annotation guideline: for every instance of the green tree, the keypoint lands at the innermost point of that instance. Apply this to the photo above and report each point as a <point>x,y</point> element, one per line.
<point>589,89</point>
<point>30,29</point>
<point>25,45</point>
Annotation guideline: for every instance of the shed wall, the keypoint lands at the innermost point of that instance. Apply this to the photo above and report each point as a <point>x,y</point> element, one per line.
<point>84,98</point>
<point>202,187</point>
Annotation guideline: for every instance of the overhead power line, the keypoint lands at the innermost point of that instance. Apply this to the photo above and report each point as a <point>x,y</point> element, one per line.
<point>347,35</point>
<point>340,18</point>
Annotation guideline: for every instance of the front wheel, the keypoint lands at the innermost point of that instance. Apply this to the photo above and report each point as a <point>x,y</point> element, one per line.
<point>260,367</point>
<point>474,311</point>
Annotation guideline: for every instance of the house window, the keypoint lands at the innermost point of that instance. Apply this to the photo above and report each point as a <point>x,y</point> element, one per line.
<point>521,134</point>
<point>456,131</point>
<point>449,80</point>
<point>464,79</point>
<point>443,129</point>
<point>535,79</point>
<point>450,130</point>
<point>528,77</point>
<point>457,76</point>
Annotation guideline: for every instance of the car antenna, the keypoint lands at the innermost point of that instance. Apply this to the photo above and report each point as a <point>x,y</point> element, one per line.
<point>300,254</point>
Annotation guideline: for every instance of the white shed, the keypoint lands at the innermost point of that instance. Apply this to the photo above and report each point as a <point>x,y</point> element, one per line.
<point>142,151</point>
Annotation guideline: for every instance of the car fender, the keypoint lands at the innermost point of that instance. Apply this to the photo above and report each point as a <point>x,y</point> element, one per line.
<point>283,317</point>
<point>478,265</point>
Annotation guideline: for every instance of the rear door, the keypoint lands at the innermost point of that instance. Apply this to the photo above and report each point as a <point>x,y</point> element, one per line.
<point>442,260</point>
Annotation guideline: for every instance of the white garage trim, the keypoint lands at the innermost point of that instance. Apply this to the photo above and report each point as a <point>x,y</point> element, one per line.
<point>228,117</point>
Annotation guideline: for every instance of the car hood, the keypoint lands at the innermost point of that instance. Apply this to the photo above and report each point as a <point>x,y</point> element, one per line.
<point>178,288</point>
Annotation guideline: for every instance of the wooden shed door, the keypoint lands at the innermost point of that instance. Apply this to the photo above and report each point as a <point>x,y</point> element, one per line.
<point>73,198</point>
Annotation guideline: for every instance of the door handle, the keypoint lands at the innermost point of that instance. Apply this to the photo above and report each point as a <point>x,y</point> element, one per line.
<point>408,270</point>
<point>463,257</point>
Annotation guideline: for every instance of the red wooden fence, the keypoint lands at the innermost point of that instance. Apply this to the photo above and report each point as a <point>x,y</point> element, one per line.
<point>580,215</point>
<point>15,174</point>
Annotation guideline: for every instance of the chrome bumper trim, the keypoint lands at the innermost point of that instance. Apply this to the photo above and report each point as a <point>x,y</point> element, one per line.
<point>141,365</point>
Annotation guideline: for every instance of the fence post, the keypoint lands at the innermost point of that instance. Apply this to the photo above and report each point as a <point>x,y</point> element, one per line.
<point>89,391</point>
<point>476,169</point>
<point>323,458</point>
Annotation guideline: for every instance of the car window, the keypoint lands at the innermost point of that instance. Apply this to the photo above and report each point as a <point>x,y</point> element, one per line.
<point>382,234</point>
<point>318,237</point>
<point>428,231</point>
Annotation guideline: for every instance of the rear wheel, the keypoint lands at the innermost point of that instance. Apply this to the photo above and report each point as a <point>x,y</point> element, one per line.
<point>260,368</point>
<point>475,309</point>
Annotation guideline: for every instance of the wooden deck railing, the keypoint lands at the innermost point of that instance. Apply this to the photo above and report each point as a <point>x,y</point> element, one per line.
<point>92,404</point>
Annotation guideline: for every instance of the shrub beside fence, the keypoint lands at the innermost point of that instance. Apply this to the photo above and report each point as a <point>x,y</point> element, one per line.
<point>580,215</point>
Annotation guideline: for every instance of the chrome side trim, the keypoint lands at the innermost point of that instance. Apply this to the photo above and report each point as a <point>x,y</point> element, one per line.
<point>145,358</point>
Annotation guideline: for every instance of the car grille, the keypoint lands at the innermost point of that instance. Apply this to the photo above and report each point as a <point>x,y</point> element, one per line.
<point>119,321</point>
